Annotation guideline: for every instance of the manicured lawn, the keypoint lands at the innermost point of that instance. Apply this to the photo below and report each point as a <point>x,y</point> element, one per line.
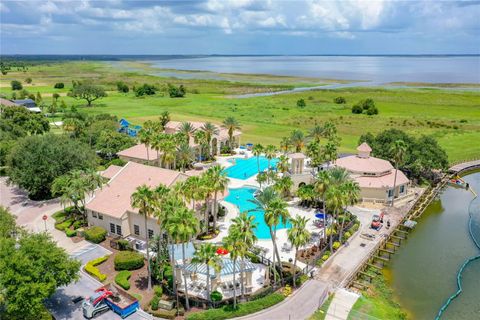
<point>453,117</point>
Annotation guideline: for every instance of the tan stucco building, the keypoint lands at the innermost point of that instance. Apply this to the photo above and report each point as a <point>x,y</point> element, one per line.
<point>110,206</point>
<point>376,177</point>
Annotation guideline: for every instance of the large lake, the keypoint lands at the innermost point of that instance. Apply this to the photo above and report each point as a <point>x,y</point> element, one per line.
<point>381,69</point>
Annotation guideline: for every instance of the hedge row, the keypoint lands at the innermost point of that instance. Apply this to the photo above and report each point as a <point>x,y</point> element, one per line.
<point>243,309</point>
<point>95,234</point>
<point>128,260</point>
<point>122,279</point>
<point>70,233</point>
<point>64,225</point>
<point>91,268</point>
<point>166,314</point>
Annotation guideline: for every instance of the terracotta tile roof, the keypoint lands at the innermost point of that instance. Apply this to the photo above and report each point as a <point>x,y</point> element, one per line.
<point>110,171</point>
<point>114,198</point>
<point>385,181</point>
<point>357,164</point>
<point>364,147</point>
<point>7,103</point>
<point>139,151</point>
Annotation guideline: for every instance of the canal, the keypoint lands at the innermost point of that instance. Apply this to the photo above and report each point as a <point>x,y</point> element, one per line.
<point>423,272</point>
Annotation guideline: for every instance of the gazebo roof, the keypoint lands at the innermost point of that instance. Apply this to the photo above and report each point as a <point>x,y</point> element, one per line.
<point>364,147</point>
<point>297,155</point>
<point>227,267</point>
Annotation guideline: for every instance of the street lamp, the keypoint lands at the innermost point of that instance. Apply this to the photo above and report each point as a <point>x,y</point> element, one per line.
<point>45,217</point>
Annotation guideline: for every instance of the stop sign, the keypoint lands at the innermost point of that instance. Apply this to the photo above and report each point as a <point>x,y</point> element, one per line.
<point>45,217</point>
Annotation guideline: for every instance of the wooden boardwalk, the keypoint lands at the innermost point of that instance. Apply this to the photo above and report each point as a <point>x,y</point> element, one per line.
<point>475,164</point>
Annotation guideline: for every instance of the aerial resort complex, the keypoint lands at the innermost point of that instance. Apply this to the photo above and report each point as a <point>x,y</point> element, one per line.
<point>251,160</point>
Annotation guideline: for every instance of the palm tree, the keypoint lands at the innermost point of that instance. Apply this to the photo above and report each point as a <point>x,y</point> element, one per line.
<point>242,229</point>
<point>283,186</point>
<point>399,150</point>
<point>316,133</point>
<point>298,236</point>
<point>219,181</point>
<point>306,193</point>
<point>169,153</point>
<point>144,200</point>
<point>164,118</point>
<point>335,200</point>
<point>156,141</point>
<point>231,124</point>
<point>275,214</point>
<point>187,130</point>
<point>297,139</point>
<point>331,152</point>
<point>320,186</point>
<point>185,155</point>
<point>285,145</point>
<point>234,245</point>
<point>282,164</point>
<point>351,193</point>
<point>206,254</point>
<point>206,191</point>
<point>261,178</point>
<point>270,153</point>
<point>183,226</point>
<point>145,137</point>
<point>330,130</point>
<point>210,130</point>
<point>201,139</point>
<point>257,151</point>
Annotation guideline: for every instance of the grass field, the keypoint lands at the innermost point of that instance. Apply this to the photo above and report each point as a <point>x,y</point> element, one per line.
<point>452,116</point>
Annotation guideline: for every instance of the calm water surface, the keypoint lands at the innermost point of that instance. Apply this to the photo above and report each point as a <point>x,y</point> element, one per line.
<point>423,272</point>
<point>431,69</point>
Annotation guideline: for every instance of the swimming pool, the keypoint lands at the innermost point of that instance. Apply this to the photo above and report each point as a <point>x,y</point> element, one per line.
<point>240,197</point>
<point>246,168</point>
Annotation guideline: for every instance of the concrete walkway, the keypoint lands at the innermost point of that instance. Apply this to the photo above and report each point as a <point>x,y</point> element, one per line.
<point>341,305</point>
<point>301,305</point>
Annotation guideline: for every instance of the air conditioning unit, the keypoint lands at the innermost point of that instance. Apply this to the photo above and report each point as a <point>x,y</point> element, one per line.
<point>138,245</point>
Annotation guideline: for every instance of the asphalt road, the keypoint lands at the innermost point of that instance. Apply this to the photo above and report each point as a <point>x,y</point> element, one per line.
<point>61,305</point>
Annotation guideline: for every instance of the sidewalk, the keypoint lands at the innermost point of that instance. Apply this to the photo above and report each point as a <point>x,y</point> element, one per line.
<point>341,305</point>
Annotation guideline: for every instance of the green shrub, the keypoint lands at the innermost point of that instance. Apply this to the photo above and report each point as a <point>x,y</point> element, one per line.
<point>91,268</point>
<point>301,103</point>
<point>347,235</point>
<point>301,279</point>
<point>216,296</point>
<point>16,85</point>
<point>77,224</point>
<point>357,109</point>
<point>123,244</point>
<point>59,85</point>
<point>340,100</point>
<point>59,216</point>
<point>158,290</point>
<point>325,257</point>
<point>95,234</point>
<point>176,92</point>
<point>145,90</point>
<point>336,245</point>
<point>243,309</point>
<point>167,314</point>
<point>253,257</point>
<point>64,225</point>
<point>122,279</point>
<point>372,111</point>
<point>128,260</point>
<point>154,302</point>
<point>70,233</point>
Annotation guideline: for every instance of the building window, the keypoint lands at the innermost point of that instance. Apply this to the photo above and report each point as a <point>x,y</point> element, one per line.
<point>112,228</point>
<point>119,230</point>
<point>402,189</point>
<point>390,193</point>
<point>136,229</point>
<point>100,216</point>
<point>150,233</point>
<point>94,214</point>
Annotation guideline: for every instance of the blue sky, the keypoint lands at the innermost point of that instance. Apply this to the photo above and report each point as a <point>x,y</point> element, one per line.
<point>239,27</point>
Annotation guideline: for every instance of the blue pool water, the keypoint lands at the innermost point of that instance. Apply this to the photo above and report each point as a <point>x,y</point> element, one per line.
<point>240,197</point>
<point>246,168</point>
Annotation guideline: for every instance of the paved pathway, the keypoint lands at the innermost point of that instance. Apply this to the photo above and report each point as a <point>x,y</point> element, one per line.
<point>301,305</point>
<point>341,305</point>
<point>29,214</point>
